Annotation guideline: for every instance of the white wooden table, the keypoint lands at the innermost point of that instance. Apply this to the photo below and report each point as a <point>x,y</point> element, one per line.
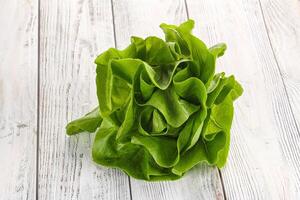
<point>47,49</point>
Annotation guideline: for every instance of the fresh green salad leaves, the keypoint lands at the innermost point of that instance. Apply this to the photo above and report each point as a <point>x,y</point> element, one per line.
<point>162,109</point>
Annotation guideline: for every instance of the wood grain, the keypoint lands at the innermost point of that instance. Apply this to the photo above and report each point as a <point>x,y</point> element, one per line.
<point>18,99</point>
<point>282,20</point>
<point>142,18</point>
<point>283,26</point>
<point>202,182</point>
<point>72,34</point>
<point>263,53</point>
<point>264,157</point>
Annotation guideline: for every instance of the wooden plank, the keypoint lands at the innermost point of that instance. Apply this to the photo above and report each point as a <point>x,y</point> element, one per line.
<point>263,161</point>
<point>282,21</point>
<point>18,98</point>
<point>72,34</point>
<point>202,182</point>
<point>143,19</point>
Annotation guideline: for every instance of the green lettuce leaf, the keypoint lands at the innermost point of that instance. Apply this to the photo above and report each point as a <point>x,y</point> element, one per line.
<point>90,122</point>
<point>162,109</point>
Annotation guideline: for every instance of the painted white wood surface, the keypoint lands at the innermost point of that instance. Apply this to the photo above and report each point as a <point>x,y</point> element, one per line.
<point>263,52</point>
<point>283,25</point>
<point>18,98</point>
<point>72,34</point>
<point>263,161</point>
<point>282,20</point>
<point>142,18</point>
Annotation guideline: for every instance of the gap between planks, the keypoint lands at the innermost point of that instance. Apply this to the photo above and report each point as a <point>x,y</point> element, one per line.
<point>115,41</point>
<point>38,103</point>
